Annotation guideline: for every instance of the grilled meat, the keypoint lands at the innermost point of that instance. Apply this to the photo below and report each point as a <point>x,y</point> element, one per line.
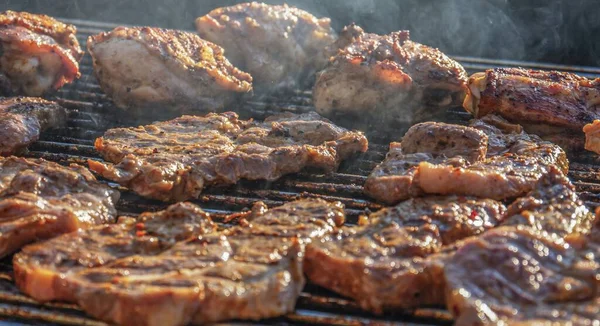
<point>388,78</point>
<point>280,46</point>
<point>181,71</point>
<point>22,119</point>
<point>446,140</point>
<point>554,105</point>
<point>174,268</point>
<point>552,206</point>
<point>175,160</point>
<point>592,141</point>
<point>515,162</point>
<point>41,199</point>
<point>37,54</point>
<point>396,260</point>
<point>513,276</point>
<point>525,272</point>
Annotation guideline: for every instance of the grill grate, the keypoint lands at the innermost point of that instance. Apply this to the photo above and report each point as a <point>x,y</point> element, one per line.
<point>88,109</point>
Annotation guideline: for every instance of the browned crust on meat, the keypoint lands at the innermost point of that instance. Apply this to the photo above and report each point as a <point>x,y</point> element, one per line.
<point>22,119</point>
<point>66,46</point>
<point>190,153</point>
<point>185,52</point>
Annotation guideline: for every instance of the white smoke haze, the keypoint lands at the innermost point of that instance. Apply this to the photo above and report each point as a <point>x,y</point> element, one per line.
<point>560,31</point>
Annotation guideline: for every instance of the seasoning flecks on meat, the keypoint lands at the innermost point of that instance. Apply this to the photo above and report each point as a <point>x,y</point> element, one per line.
<point>175,268</point>
<point>387,78</point>
<point>22,119</point>
<point>180,71</point>
<point>280,46</point>
<point>522,276</point>
<point>37,54</point>
<point>175,160</point>
<point>41,199</point>
<point>555,105</point>
<point>396,259</point>
<point>514,162</point>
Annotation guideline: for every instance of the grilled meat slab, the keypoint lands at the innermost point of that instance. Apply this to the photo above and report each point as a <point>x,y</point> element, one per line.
<point>554,105</point>
<point>552,206</point>
<point>387,77</point>
<point>442,162</point>
<point>41,199</point>
<point>180,71</point>
<point>592,136</point>
<point>22,119</point>
<point>396,259</point>
<point>280,46</point>
<point>174,268</point>
<point>37,54</point>
<point>521,276</point>
<point>175,160</point>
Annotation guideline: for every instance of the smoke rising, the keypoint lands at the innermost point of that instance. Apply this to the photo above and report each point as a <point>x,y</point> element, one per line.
<point>559,31</point>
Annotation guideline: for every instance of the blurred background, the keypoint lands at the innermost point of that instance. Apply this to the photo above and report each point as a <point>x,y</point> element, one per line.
<point>559,31</point>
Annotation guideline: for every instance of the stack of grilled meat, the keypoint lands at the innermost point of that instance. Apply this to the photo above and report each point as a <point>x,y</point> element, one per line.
<point>481,218</point>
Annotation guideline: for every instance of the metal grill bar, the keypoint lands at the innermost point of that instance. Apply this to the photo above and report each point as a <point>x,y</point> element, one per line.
<point>88,109</point>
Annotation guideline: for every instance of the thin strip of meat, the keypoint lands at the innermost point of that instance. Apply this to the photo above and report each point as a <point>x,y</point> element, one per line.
<point>37,54</point>
<point>177,159</point>
<point>41,199</point>
<point>22,119</point>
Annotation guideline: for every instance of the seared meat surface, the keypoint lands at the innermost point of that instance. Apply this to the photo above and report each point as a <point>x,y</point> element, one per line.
<point>443,163</point>
<point>521,276</point>
<point>180,71</point>
<point>551,104</point>
<point>388,78</point>
<point>446,140</point>
<point>280,46</point>
<point>552,206</point>
<point>41,199</point>
<point>592,136</point>
<point>37,54</point>
<point>174,268</point>
<point>175,160</point>
<point>22,119</point>
<point>396,259</point>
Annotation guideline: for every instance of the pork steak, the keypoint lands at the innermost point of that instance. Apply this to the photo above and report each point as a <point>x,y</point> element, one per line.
<point>175,268</point>
<point>41,199</point>
<point>177,159</point>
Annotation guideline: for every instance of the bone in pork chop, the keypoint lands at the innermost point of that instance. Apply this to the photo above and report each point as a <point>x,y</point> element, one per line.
<point>520,276</point>
<point>22,119</point>
<point>175,268</point>
<point>41,199</point>
<point>387,79</point>
<point>38,54</point>
<point>396,260</point>
<point>175,160</point>
<point>442,162</point>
